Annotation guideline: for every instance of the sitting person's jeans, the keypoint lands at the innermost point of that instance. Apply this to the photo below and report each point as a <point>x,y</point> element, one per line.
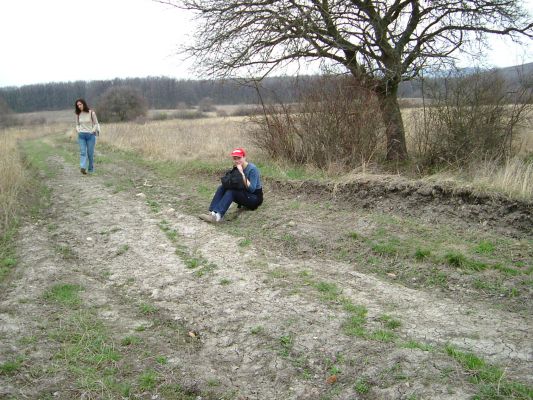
<point>224,197</point>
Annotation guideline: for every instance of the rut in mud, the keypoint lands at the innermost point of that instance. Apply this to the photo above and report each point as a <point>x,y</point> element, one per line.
<point>230,317</point>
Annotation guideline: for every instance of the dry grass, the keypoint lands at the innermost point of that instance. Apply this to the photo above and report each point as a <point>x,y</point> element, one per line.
<point>210,139</point>
<point>205,139</point>
<point>14,178</point>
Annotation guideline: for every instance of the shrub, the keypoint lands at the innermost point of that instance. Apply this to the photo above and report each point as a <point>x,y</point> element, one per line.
<point>119,104</point>
<point>336,121</point>
<point>469,118</point>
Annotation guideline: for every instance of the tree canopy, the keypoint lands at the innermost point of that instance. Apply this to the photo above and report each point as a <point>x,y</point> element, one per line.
<point>382,43</point>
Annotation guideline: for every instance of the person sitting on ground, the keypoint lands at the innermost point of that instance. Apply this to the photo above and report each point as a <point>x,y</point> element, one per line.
<point>242,187</point>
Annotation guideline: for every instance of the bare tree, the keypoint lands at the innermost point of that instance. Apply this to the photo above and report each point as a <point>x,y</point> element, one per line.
<point>382,43</point>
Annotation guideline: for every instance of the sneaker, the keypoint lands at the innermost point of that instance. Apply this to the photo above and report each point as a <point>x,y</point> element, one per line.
<point>83,171</point>
<point>209,218</point>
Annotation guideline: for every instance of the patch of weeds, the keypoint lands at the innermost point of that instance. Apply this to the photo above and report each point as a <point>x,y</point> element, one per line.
<point>225,281</point>
<point>122,249</point>
<point>355,323</point>
<point>65,294</point>
<point>484,247</point>
<point>161,360</point>
<point>495,287</point>
<point>11,367</point>
<point>27,340</point>
<point>256,330</point>
<point>6,265</point>
<point>105,274</point>
<point>279,273</point>
<point>245,243</point>
<point>289,240</point>
<point>306,374</point>
<point>362,386</point>
<point>422,254</point>
<point>65,251</point>
<point>353,235</point>
<point>380,335</point>
<point>176,392</point>
<point>506,270</point>
<point>147,309</point>
<point>131,340</point>
<point>286,343</point>
<point>385,249</point>
<point>154,206</point>
<point>437,278</point>
<point>205,269</point>
<point>329,291</point>
<point>458,260</point>
<point>213,382</point>
<point>140,328</point>
<point>491,380</point>
<point>192,263</point>
<point>389,322</point>
<point>412,344</point>
<point>148,380</point>
<point>170,233</point>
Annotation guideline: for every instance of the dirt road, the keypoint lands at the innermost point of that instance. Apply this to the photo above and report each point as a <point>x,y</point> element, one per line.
<point>189,310</point>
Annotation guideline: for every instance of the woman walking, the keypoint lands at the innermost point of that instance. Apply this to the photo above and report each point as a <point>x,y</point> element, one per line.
<point>88,128</point>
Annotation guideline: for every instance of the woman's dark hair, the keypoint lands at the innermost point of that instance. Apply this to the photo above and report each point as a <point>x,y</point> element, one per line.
<point>85,106</point>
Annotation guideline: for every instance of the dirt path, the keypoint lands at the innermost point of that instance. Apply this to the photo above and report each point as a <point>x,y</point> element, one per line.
<point>233,321</point>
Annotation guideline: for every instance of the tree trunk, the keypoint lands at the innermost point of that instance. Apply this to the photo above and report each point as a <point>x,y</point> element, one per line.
<point>392,118</point>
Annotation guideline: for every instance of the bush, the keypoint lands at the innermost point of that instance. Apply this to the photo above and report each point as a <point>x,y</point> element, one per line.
<point>119,104</point>
<point>336,121</point>
<point>469,118</point>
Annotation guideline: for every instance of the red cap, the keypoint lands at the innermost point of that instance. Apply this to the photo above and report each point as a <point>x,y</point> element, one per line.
<point>238,152</point>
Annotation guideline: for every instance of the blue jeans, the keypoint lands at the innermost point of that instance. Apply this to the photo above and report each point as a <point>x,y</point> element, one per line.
<point>87,142</point>
<point>224,197</point>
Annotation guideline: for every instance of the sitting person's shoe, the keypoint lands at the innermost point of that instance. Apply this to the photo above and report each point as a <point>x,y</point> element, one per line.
<point>211,218</point>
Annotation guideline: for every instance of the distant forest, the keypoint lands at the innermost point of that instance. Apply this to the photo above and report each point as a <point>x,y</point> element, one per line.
<point>170,93</point>
<point>163,92</point>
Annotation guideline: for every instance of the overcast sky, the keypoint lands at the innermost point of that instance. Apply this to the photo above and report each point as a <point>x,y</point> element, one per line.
<point>67,40</point>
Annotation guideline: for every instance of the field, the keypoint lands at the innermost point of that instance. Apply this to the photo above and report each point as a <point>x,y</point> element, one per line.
<point>351,286</point>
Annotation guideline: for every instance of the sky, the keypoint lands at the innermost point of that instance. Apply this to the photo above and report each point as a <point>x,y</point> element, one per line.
<point>67,40</point>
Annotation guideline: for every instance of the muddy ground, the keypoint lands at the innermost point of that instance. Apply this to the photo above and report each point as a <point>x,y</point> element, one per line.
<point>267,305</point>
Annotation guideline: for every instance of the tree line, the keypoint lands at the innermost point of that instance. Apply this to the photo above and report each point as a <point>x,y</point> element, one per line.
<point>164,92</point>
<point>159,92</point>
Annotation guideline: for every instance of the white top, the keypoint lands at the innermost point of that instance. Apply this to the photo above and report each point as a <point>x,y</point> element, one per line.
<point>84,122</point>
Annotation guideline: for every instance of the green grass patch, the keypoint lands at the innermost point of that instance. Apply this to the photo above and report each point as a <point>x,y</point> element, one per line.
<point>131,341</point>
<point>329,291</point>
<point>147,309</point>
<point>286,343</point>
<point>485,247</point>
<point>362,386</point>
<point>412,344</point>
<point>11,367</point>
<point>148,380</point>
<point>491,379</point>
<point>460,261</point>
<point>422,254</point>
<point>122,250</point>
<point>65,294</point>
<point>390,322</point>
